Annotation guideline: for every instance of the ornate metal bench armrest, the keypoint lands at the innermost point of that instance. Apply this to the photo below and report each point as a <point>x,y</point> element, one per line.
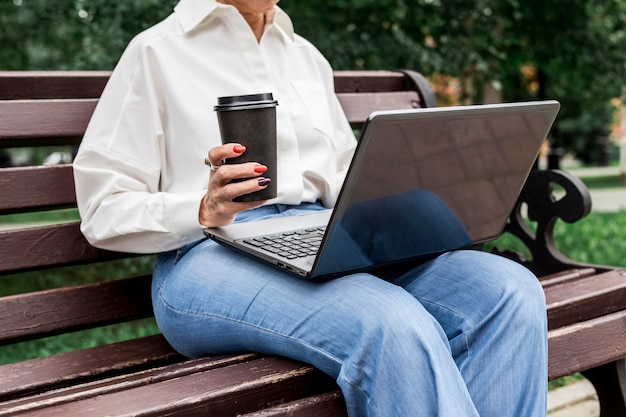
<point>543,207</point>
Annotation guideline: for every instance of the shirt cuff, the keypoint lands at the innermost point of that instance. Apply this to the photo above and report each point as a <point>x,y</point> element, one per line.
<point>182,213</point>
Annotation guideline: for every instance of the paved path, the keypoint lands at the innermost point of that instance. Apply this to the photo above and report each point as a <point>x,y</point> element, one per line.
<point>603,200</point>
<point>575,400</point>
<point>611,200</point>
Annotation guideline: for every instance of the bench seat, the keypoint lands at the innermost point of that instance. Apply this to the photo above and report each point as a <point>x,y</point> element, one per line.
<point>586,304</point>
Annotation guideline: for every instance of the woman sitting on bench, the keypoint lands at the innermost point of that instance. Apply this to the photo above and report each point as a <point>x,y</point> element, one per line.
<point>463,334</point>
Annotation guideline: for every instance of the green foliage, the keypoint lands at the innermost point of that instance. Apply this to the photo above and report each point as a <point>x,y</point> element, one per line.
<point>576,47</point>
<point>78,34</point>
<point>580,61</point>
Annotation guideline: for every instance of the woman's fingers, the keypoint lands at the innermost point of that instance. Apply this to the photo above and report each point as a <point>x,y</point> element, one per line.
<point>219,154</point>
<point>228,182</point>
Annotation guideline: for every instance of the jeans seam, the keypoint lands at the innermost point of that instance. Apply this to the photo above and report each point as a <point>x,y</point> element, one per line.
<point>469,324</point>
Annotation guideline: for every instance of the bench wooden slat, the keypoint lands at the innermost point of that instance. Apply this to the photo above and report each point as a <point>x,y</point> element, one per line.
<point>128,378</point>
<point>562,277</point>
<point>44,122</point>
<point>38,187</point>
<point>50,120</point>
<point>53,372</point>
<point>44,313</point>
<point>586,345</point>
<point>54,245</point>
<point>586,298</point>
<point>252,385</point>
<point>63,122</point>
<point>20,85</point>
<point>359,105</point>
<point>52,84</point>
<point>329,404</point>
<point>369,81</point>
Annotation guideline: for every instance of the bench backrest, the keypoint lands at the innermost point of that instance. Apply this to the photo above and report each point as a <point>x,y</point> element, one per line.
<point>39,109</point>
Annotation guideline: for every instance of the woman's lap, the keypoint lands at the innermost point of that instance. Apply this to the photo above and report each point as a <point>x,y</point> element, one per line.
<point>230,302</point>
<point>467,307</point>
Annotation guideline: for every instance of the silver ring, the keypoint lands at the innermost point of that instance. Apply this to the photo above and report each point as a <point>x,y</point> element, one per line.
<point>213,167</point>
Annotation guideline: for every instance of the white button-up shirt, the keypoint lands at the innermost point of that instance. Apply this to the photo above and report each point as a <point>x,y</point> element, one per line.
<point>139,171</point>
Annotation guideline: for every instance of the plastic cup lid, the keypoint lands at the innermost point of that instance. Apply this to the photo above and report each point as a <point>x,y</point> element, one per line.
<point>260,100</point>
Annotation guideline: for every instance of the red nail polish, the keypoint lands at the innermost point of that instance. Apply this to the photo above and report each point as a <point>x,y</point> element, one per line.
<point>259,169</point>
<point>239,149</point>
<point>264,181</point>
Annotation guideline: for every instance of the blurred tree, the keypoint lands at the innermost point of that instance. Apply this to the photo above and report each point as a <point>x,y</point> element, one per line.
<point>571,50</point>
<point>72,34</point>
<point>575,51</point>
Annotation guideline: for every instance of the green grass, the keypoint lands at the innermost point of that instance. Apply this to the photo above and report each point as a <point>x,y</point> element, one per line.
<point>599,238</point>
<point>77,340</point>
<point>566,380</point>
<point>53,216</point>
<point>74,275</point>
<point>604,181</point>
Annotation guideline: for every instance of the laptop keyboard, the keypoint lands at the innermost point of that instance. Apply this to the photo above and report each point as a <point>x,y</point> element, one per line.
<point>291,245</point>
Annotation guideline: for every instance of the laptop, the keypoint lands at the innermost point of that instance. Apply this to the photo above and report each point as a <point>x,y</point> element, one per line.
<point>421,182</point>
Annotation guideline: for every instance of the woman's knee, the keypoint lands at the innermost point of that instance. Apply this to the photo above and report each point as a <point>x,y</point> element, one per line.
<point>493,271</point>
<point>517,282</point>
<point>469,286</point>
<point>517,293</point>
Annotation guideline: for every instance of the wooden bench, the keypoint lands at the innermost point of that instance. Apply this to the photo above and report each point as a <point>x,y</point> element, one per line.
<point>586,305</point>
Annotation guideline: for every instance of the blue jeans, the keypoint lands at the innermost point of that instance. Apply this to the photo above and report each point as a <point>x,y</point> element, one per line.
<point>461,335</point>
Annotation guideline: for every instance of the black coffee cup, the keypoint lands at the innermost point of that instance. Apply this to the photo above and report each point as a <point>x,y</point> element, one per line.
<point>251,121</point>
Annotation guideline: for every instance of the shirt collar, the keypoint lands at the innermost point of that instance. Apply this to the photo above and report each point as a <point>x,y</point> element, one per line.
<point>191,13</point>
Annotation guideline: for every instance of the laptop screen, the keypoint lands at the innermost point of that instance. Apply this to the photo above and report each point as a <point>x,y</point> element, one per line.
<point>428,181</point>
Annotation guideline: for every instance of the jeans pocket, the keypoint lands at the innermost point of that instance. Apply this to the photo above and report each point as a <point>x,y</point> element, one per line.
<point>182,251</point>
<point>166,261</point>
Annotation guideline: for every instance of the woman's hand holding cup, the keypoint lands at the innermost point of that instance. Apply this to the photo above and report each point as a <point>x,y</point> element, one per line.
<point>228,181</point>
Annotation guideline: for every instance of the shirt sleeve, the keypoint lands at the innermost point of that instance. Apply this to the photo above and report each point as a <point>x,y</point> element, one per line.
<point>117,168</point>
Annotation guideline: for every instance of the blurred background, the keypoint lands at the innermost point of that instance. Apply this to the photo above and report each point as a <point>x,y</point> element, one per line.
<point>472,51</point>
